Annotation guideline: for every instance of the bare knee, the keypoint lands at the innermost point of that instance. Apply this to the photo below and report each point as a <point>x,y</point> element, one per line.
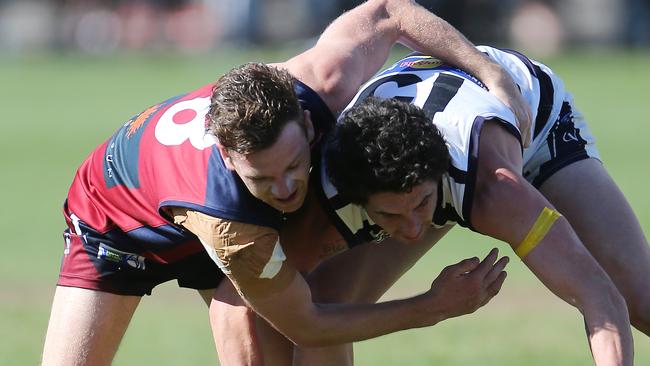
<point>86,326</point>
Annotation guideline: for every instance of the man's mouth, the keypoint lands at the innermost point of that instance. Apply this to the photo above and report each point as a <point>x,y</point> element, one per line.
<point>289,198</point>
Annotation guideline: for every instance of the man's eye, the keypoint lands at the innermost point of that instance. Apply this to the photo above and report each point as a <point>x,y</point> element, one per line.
<point>424,202</point>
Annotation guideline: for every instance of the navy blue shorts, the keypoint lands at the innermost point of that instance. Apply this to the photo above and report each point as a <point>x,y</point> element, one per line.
<point>93,261</point>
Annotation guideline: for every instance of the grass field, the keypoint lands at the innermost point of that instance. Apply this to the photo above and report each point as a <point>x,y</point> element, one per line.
<point>55,109</point>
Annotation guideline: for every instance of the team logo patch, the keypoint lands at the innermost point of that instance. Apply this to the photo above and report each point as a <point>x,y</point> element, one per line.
<point>113,255</point>
<point>422,63</point>
<point>134,124</point>
<point>378,234</point>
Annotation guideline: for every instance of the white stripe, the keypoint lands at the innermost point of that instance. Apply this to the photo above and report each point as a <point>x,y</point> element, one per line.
<point>213,254</point>
<point>275,262</point>
<point>75,223</point>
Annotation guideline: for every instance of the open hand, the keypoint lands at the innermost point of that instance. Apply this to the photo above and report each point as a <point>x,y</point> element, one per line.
<point>464,287</point>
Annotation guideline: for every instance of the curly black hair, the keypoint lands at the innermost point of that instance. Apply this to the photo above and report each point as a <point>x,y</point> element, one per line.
<point>384,145</point>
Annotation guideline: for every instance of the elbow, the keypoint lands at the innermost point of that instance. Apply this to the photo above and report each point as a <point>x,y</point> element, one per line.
<point>605,303</point>
<point>306,333</point>
<point>614,300</point>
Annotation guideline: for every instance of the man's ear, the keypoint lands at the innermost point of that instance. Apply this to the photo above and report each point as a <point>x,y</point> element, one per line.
<point>309,126</point>
<point>225,156</point>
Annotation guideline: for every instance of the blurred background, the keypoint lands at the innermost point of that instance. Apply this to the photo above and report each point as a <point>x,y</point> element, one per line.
<point>73,71</point>
<point>190,26</point>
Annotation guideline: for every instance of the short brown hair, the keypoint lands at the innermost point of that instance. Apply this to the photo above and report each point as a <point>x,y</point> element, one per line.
<point>250,105</point>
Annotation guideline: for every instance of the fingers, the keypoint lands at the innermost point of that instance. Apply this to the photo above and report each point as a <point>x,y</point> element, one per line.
<point>498,267</point>
<point>495,287</point>
<point>464,266</point>
<point>487,263</point>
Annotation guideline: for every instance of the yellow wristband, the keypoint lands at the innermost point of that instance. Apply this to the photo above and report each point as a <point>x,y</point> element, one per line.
<point>539,230</point>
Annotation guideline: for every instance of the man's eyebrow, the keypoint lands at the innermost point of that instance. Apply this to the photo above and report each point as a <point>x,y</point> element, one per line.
<point>257,177</point>
<point>386,213</point>
<point>295,161</point>
<point>424,200</point>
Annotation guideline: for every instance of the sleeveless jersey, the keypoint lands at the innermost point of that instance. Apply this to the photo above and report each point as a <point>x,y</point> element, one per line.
<point>163,157</point>
<point>459,104</point>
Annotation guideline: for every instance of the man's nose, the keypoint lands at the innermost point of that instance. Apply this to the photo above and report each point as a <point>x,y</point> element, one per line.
<point>411,227</point>
<point>283,188</point>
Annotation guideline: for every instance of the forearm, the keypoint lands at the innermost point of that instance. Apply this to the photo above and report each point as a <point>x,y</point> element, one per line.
<point>607,326</point>
<point>576,277</point>
<point>559,260</point>
<point>425,32</point>
<point>309,324</point>
<point>343,323</point>
<point>563,264</point>
<point>460,289</point>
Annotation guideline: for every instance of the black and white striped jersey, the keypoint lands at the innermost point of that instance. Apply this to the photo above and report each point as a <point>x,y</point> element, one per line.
<point>459,104</point>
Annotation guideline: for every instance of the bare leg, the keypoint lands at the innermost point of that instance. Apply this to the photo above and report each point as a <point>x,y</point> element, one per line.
<point>276,348</point>
<point>233,327</point>
<point>362,275</point>
<point>86,326</point>
<point>601,216</point>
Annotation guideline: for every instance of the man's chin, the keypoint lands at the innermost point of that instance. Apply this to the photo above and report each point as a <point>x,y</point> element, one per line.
<point>289,205</point>
<point>410,240</point>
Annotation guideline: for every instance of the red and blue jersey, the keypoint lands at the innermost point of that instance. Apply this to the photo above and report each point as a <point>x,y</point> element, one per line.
<point>163,157</point>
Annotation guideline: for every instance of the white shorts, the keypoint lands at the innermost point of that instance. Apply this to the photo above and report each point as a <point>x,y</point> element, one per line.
<point>569,140</point>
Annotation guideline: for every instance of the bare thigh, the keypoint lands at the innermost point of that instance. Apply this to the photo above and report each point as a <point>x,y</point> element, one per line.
<point>233,327</point>
<point>601,216</point>
<point>86,326</point>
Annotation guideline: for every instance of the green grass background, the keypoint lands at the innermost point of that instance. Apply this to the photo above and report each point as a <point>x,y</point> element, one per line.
<point>55,109</point>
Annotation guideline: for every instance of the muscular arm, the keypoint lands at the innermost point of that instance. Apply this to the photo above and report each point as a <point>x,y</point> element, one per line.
<point>455,292</point>
<point>245,252</point>
<point>505,207</point>
<point>357,44</point>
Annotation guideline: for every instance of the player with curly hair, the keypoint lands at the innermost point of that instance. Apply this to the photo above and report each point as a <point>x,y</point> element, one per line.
<point>553,201</point>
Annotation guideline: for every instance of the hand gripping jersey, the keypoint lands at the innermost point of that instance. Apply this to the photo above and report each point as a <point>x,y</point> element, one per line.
<point>162,157</point>
<point>459,104</point>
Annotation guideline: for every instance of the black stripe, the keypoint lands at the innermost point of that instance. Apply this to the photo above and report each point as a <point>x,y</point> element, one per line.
<point>338,202</point>
<point>315,182</point>
<point>401,80</point>
<point>545,105</point>
<point>546,91</point>
<point>529,64</point>
<point>444,89</point>
<point>472,169</point>
<point>446,213</point>
<point>457,174</point>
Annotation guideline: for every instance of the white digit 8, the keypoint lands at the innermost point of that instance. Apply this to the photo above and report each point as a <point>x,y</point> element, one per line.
<point>185,120</point>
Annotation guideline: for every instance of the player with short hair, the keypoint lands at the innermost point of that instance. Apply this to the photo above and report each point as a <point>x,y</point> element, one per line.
<point>161,199</point>
<point>553,202</point>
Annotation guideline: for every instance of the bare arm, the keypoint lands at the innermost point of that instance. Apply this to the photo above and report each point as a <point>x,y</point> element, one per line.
<point>253,261</point>
<point>455,292</point>
<point>505,207</point>
<point>357,44</point>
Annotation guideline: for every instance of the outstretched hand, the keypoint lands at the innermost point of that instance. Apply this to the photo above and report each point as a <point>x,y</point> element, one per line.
<point>464,287</point>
